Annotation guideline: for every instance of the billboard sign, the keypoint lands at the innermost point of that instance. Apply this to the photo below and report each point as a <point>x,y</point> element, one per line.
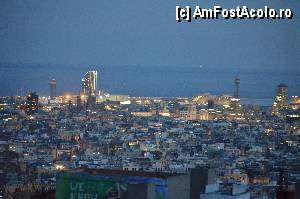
<point>86,187</point>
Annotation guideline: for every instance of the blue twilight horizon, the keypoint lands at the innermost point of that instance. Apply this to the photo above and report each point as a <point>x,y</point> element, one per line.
<point>138,47</point>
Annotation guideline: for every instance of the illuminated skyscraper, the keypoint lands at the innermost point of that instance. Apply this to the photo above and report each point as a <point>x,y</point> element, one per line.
<point>32,101</point>
<point>281,99</point>
<point>89,83</point>
<point>52,84</point>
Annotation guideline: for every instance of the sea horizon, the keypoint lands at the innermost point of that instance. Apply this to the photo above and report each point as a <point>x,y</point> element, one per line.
<point>148,81</point>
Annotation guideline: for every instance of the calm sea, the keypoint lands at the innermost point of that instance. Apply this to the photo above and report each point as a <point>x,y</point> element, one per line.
<point>257,85</point>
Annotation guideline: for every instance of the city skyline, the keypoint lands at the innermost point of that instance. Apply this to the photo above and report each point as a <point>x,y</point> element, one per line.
<point>202,56</point>
<point>263,52</point>
<point>157,99</point>
<point>90,94</point>
<point>193,80</point>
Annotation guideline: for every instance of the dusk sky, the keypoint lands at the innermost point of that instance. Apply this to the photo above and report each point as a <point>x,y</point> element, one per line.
<point>145,33</point>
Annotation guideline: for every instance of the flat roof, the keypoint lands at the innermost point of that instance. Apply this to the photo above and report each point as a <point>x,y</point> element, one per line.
<point>118,172</point>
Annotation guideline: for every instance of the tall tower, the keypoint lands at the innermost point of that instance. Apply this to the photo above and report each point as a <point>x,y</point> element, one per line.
<point>236,94</point>
<point>52,84</point>
<point>235,101</point>
<point>282,96</point>
<point>235,105</point>
<point>281,99</point>
<point>89,83</point>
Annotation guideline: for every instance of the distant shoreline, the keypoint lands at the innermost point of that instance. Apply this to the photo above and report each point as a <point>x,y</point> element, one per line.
<point>244,101</point>
<point>150,81</point>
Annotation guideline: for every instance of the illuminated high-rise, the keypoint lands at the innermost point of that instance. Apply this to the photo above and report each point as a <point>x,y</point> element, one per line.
<point>89,83</point>
<point>281,99</point>
<point>52,84</point>
<point>32,101</point>
<point>282,96</point>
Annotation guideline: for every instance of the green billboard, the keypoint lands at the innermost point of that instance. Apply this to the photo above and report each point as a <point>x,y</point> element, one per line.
<point>85,187</point>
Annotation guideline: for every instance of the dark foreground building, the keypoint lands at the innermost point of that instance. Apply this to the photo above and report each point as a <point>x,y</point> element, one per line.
<point>101,183</point>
